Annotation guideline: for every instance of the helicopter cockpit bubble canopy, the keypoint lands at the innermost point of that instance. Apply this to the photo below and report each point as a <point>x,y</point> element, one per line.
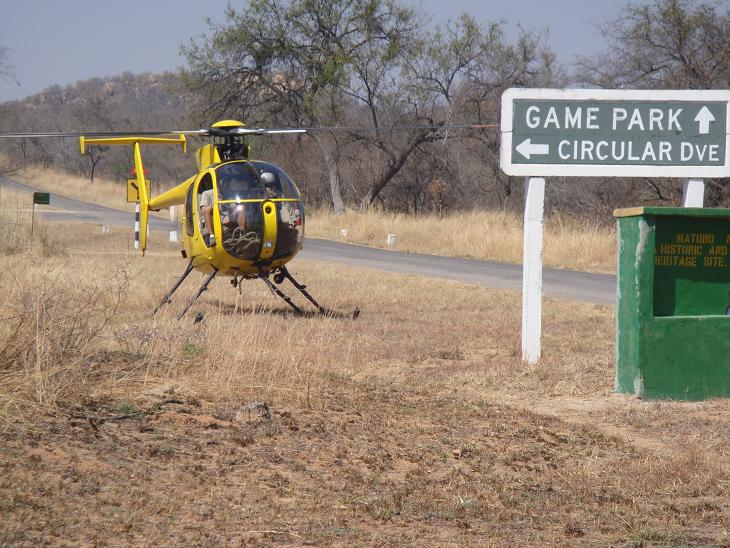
<point>241,180</point>
<point>260,210</point>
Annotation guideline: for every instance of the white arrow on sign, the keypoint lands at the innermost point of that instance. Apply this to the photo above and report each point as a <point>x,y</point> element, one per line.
<point>527,149</point>
<point>704,117</point>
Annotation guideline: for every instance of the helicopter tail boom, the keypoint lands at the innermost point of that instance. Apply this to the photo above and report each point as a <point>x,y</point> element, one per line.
<point>174,196</point>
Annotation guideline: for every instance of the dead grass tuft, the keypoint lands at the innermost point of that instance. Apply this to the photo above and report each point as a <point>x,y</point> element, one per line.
<point>45,341</point>
<point>15,229</point>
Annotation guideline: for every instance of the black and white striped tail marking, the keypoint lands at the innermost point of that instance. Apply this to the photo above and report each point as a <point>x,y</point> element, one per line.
<point>136,226</point>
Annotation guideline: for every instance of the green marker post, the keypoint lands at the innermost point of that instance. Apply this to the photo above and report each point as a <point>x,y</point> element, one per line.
<point>41,198</point>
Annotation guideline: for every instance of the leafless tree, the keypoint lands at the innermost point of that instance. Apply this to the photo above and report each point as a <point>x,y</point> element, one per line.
<point>670,44</point>
<point>6,69</point>
<point>293,63</point>
<point>666,44</point>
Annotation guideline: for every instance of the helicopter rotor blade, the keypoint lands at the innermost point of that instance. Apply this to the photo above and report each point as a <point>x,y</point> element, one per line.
<point>276,131</point>
<point>264,131</point>
<point>222,132</point>
<point>202,132</point>
<point>404,128</point>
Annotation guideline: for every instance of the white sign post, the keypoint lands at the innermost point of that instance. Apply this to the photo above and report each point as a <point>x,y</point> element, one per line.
<point>693,193</point>
<point>532,269</point>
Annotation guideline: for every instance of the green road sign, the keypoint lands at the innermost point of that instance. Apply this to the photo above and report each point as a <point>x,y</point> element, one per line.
<point>615,133</point>
<point>41,198</point>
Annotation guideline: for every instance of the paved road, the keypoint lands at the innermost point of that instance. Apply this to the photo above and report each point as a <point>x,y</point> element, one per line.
<point>583,286</point>
<point>70,210</point>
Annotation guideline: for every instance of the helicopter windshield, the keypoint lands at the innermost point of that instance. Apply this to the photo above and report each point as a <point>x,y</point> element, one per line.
<point>242,187</point>
<point>254,180</point>
<point>276,181</point>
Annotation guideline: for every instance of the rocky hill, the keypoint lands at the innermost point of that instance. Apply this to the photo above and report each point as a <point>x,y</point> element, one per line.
<point>138,99</point>
<point>127,102</point>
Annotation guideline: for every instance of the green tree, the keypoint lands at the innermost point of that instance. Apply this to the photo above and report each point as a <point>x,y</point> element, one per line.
<point>308,63</point>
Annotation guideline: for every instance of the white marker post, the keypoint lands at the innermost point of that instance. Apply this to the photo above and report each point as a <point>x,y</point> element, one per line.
<point>532,269</point>
<point>136,226</point>
<point>693,193</point>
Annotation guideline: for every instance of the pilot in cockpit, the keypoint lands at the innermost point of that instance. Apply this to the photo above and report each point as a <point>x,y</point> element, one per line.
<point>231,214</point>
<point>269,181</point>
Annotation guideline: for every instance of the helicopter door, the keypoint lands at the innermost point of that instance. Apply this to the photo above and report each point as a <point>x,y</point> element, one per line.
<point>189,222</point>
<point>206,207</point>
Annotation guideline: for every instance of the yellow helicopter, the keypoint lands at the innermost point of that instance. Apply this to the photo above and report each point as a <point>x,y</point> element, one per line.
<point>242,218</point>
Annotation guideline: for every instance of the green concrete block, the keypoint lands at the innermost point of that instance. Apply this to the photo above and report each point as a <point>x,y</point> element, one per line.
<point>672,322</point>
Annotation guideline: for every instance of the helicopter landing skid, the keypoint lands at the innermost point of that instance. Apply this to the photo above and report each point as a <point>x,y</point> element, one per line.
<point>199,293</point>
<point>276,291</point>
<point>283,273</point>
<point>279,276</point>
<point>180,280</point>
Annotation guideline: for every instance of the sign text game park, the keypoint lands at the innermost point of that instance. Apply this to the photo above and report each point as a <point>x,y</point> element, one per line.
<point>547,132</point>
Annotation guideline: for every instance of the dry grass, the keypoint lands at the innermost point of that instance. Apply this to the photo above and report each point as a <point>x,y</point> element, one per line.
<point>488,235</point>
<point>101,191</point>
<point>15,228</point>
<point>415,424</point>
<point>65,307</point>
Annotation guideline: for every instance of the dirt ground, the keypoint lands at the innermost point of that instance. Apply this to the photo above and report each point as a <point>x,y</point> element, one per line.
<point>377,465</point>
<point>416,424</point>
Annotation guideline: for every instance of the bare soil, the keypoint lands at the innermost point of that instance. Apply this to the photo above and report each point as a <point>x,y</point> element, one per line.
<point>376,464</point>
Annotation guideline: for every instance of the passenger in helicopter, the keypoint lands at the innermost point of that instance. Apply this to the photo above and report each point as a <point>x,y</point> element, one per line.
<point>205,204</point>
<point>232,216</point>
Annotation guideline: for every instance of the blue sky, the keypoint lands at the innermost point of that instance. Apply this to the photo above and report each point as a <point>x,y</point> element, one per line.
<point>61,42</point>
